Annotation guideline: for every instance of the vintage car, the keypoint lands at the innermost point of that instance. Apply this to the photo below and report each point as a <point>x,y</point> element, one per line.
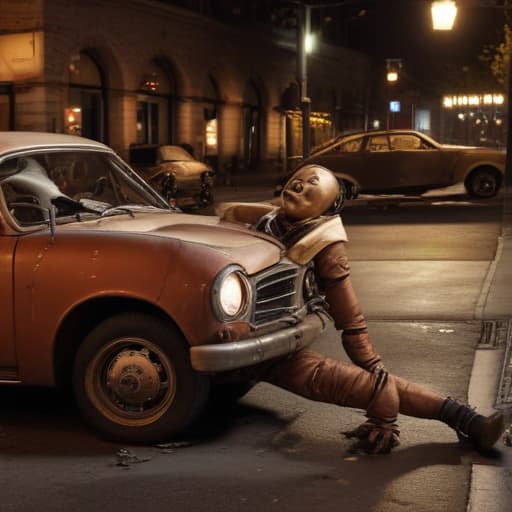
<point>137,306</point>
<point>408,162</point>
<point>171,170</point>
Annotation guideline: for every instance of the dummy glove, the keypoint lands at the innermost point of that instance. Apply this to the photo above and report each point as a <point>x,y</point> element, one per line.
<point>375,436</point>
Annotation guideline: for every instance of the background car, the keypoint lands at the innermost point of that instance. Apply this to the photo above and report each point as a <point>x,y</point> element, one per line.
<point>134,304</point>
<point>174,173</point>
<point>406,161</point>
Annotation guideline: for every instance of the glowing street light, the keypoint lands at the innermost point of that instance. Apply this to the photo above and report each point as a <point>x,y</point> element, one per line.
<point>443,14</point>
<point>392,76</point>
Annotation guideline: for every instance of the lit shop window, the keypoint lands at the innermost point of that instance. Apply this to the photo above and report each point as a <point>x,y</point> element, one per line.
<point>73,120</point>
<point>211,137</point>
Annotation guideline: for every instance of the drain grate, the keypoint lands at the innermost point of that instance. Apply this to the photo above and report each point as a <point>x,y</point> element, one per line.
<point>505,388</point>
<point>493,334</point>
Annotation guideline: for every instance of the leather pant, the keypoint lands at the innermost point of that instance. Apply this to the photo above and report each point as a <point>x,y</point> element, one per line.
<point>314,376</point>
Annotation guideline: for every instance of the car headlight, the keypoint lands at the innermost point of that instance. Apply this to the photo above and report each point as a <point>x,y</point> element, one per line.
<point>231,294</point>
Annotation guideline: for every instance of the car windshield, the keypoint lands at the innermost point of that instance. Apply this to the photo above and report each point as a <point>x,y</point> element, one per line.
<point>76,183</point>
<point>174,153</point>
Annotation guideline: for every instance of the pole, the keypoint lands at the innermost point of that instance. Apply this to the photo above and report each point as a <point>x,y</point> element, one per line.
<point>303,28</point>
<point>507,181</point>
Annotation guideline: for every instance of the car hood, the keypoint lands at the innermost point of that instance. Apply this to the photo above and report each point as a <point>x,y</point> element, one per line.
<point>252,249</point>
<point>181,169</point>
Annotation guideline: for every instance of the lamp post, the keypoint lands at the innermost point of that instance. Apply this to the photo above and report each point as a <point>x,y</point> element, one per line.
<point>303,33</point>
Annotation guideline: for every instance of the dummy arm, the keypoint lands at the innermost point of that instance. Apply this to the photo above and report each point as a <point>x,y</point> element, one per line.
<point>333,271</point>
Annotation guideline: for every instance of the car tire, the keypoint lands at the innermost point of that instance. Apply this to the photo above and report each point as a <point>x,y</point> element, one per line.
<point>483,183</point>
<point>133,380</point>
<point>351,189</point>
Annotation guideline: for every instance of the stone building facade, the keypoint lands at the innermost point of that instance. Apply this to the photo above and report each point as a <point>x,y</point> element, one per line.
<point>142,72</point>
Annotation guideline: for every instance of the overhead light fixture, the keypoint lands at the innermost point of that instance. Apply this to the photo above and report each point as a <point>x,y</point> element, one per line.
<point>443,14</point>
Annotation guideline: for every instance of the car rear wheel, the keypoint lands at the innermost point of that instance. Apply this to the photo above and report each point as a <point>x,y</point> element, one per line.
<point>133,380</point>
<point>351,189</point>
<point>483,182</point>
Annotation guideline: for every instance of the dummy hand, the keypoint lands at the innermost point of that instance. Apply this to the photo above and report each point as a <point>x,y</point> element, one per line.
<point>375,436</point>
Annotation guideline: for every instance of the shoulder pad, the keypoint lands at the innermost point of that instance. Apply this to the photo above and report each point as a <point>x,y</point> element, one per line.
<point>319,238</point>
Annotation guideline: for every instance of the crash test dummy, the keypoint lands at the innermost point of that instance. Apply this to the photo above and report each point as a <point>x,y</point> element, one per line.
<point>308,223</point>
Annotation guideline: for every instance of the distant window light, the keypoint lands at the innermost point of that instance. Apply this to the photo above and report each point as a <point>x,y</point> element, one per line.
<point>376,124</point>
<point>394,106</point>
<point>422,120</point>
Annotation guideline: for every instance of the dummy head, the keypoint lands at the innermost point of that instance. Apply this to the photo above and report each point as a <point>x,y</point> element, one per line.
<point>309,193</point>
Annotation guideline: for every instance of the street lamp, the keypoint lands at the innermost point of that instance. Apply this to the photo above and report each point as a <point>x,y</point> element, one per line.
<point>303,42</point>
<point>443,14</point>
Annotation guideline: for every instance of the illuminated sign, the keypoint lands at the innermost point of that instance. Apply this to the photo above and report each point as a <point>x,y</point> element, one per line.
<point>471,100</point>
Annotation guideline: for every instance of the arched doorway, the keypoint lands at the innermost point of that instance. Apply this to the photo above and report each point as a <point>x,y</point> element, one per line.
<point>211,99</point>
<point>155,105</point>
<point>251,134</point>
<point>85,113</point>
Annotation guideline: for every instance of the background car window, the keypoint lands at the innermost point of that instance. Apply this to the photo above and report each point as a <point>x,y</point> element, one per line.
<point>351,146</point>
<point>405,141</point>
<point>378,143</point>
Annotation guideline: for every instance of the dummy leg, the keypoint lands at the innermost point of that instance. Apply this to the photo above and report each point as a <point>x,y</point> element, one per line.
<point>314,376</point>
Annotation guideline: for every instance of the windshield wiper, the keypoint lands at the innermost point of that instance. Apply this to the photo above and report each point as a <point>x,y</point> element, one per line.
<point>112,210</point>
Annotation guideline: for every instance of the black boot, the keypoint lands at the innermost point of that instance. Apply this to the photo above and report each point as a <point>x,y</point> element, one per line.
<point>482,431</point>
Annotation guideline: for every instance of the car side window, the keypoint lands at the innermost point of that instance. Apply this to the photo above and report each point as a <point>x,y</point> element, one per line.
<point>378,143</point>
<point>351,146</point>
<point>405,142</point>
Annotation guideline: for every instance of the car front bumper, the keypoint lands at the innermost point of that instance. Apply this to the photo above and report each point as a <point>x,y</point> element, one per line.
<point>250,351</point>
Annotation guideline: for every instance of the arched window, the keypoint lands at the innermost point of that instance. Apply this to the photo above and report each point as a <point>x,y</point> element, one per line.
<point>85,113</point>
<point>251,125</point>
<point>155,105</point>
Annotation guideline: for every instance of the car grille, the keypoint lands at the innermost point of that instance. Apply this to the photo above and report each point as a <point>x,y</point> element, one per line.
<point>277,293</point>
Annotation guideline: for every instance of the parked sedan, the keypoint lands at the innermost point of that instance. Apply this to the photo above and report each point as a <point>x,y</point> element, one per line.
<point>175,174</point>
<point>138,307</point>
<point>406,161</point>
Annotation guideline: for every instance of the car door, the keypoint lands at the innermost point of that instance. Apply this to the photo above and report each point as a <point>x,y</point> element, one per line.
<point>7,351</point>
<point>354,159</point>
<point>416,162</point>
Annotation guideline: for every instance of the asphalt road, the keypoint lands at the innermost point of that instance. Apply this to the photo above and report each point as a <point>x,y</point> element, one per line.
<point>419,273</point>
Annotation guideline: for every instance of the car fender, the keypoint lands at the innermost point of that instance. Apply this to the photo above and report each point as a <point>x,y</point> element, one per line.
<point>114,269</point>
<point>466,163</point>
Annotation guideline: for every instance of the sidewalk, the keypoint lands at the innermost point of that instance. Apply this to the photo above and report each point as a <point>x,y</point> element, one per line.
<point>490,485</point>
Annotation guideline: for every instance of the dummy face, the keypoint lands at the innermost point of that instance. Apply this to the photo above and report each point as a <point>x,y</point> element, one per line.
<point>309,193</point>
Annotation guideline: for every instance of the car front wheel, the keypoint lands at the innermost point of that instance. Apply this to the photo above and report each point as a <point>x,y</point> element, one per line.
<point>483,183</point>
<point>133,380</point>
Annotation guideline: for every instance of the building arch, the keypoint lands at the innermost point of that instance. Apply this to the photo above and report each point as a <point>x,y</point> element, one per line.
<point>86,110</point>
<point>156,103</point>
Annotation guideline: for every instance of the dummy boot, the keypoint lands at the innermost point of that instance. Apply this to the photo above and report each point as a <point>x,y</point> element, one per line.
<point>482,431</point>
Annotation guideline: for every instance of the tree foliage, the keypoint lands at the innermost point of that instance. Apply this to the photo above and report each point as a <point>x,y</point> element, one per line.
<point>498,56</point>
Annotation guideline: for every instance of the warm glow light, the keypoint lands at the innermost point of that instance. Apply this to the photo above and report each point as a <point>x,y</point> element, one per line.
<point>443,14</point>
<point>392,76</point>
<point>309,42</point>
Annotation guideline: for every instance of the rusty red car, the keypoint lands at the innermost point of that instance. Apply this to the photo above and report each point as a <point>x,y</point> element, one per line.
<point>138,307</point>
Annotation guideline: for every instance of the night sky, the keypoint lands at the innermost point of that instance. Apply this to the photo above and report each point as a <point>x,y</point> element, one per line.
<point>403,29</point>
